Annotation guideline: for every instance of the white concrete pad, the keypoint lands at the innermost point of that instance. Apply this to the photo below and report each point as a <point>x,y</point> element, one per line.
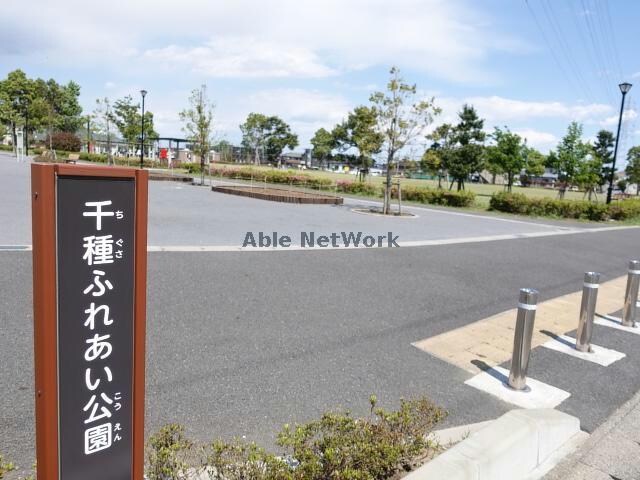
<point>539,394</point>
<point>600,355</point>
<point>615,322</point>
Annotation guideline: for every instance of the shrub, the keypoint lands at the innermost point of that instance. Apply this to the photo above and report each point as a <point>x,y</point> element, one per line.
<point>335,446</point>
<point>363,188</point>
<point>5,467</point>
<point>579,209</point>
<point>66,141</point>
<point>340,446</point>
<point>168,454</point>
<point>411,193</point>
<point>243,461</point>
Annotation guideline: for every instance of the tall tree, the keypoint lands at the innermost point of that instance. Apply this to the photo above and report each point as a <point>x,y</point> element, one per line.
<point>359,131</point>
<point>17,93</point>
<point>603,151</point>
<point>323,144</point>
<point>128,118</point>
<point>633,167</point>
<point>569,154</point>
<point>269,134</point>
<point>506,155</point>
<point>402,117</point>
<point>198,120</point>
<point>467,144</point>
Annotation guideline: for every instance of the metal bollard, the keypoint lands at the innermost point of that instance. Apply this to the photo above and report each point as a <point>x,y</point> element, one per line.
<point>522,338</point>
<point>631,295</point>
<point>587,311</point>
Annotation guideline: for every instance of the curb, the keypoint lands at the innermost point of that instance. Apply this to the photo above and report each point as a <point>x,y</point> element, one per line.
<point>513,447</point>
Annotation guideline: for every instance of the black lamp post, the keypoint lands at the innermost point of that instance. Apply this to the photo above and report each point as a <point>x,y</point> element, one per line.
<point>144,94</point>
<point>624,88</point>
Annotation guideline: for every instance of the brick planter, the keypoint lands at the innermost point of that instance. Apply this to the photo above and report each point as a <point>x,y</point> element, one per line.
<point>279,195</point>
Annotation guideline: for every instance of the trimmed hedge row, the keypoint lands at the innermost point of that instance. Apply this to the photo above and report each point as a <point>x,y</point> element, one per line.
<point>579,209</point>
<point>449,198</point>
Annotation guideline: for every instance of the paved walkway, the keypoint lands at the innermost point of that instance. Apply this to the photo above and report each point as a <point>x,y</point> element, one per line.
<point>612,451</point>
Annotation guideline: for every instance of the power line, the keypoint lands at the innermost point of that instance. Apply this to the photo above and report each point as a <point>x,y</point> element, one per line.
<point>561,65</point>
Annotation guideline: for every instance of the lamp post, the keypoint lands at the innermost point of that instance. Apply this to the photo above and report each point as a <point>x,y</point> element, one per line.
<point>144,94</point>
<point>624,88</point>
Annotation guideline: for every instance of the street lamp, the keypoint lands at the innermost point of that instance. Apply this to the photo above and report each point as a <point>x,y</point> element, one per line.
<point>144,94</point>
<point>624,88</point>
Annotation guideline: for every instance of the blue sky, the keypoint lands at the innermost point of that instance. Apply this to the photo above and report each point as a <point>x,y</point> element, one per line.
<point>311,62</point>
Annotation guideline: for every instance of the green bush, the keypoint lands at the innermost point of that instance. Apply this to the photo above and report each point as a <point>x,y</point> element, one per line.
<point>168,454</point>
<point>336,446</point>
<point>412,193</point>
<point>362,188</point>
<point>579,209</point>
<point>6,148</point>
<point>5,467</point>
<point>377,447</point>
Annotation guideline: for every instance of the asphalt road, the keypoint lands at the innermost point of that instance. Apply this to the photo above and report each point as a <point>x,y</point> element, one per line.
<point>241,343</point>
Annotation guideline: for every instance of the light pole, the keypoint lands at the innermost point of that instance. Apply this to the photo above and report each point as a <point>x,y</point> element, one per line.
<point>144,94</point>
<point>624,88</point>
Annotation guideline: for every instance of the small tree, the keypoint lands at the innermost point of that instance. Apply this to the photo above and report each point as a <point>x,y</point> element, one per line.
<point>434,160</point>
<point>633,167</point>
<point>401,118</point>
<point>534,164</point>
<point>467,145</point>
<point>569,154</point>
<point>323,144</point>
<point>128,119</point>
<point>603,152</point>
<point>506,155</point>
<point>359,131</point>
<point>198,120</point>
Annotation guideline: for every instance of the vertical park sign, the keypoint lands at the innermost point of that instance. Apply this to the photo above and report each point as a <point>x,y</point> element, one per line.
<point>89,273</point>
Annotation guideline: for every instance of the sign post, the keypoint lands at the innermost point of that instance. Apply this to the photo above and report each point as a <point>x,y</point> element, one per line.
<point>89,285</point>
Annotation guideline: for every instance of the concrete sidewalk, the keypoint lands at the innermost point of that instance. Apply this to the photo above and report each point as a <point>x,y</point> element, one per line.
<point>612,451</point>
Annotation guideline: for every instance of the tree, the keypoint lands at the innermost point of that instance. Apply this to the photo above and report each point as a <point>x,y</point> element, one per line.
<point>467,144</point>
<point>198,120</point>
<point>16,96</point>
<point>271,135</point>
<point>633,167</point>
<point>603,151</point>
<point>323,144</point>
<point>534,164</point>
<point>507,154</point>
<point>128,119</point>
<point>103,118</point>
<point>359,131</point>
<point>434,160</point>
<point>589,174</point>
<point>401,118</point>
<point>569,154</point>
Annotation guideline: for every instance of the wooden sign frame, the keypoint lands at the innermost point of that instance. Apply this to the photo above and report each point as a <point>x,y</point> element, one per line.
<point>44,221</point>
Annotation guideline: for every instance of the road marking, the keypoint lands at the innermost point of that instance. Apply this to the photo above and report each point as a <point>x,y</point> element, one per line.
<point>408,243</point>
<point>538,395</point>
<point>489,342</point>
<point>600,355</point>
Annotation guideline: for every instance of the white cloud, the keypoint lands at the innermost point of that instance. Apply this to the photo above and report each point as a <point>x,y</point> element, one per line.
<point>543,141</point>
<point>242,57</point>
<point>611,121</point>
<point>278,38</point>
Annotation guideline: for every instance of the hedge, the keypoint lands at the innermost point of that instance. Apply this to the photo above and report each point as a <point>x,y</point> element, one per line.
<point>579,209</point>
<point>449,198</point>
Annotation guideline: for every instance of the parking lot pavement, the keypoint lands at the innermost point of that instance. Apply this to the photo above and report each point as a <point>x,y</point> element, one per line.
<point>186,215</point>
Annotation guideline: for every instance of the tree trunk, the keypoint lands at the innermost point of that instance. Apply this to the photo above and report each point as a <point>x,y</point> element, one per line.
<point>387,193</point>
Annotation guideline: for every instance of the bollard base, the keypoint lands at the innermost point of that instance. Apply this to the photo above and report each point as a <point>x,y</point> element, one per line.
<point>526,388</point>
<point>540,395</point>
